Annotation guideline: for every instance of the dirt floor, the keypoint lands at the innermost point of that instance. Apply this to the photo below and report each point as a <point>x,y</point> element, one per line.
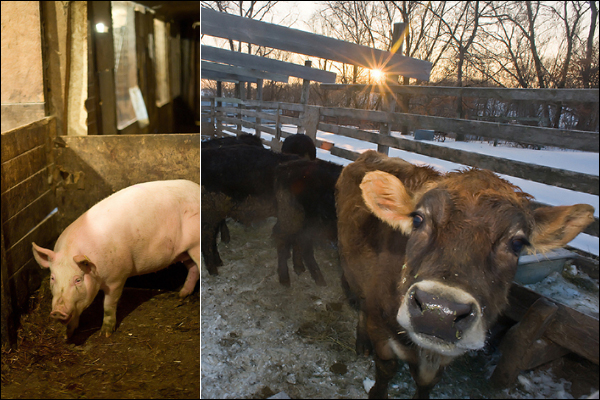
<point>260,338</point>
<point>154,352</point>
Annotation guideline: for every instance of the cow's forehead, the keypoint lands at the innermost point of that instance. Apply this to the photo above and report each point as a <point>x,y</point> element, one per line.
<point>474,183</point>
<point>478,194</point>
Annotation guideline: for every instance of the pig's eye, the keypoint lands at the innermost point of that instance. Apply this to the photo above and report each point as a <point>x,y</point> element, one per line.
<point>78,280</point>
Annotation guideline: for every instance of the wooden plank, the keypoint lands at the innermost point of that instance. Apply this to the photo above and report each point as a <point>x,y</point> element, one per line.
<point>275,105</point>
<point>570,329</point>
<point>216,54</point>
<point>105,64</point>
<point>243,71</point>
<point>23,166</point>
<point>261,33</point>
<point>44,234</point>
<point>347,154</point>
<point>538,173</point>
<point>24,138</point>
<point>17,198</point>
<point>519,339</point>
<point>225,77</point>
<point>17,226</point>
<point>508,94</point>
<point>569,139</point>
<point>284,119</point>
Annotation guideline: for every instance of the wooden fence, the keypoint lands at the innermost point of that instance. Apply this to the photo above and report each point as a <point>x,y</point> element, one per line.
<point>268,117</point>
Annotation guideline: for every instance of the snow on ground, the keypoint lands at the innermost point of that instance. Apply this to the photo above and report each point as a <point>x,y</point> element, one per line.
<point>578,161</point>
<point>259,338</point>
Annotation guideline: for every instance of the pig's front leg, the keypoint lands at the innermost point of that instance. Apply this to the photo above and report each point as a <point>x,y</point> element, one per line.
<point>71,326</point>
<point>111,298</point>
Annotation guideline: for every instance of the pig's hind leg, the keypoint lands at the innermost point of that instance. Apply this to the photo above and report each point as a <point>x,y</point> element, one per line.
<point>192,265</point>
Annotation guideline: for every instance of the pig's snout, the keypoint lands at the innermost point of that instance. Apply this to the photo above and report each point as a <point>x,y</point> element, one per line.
<point>60,315</point>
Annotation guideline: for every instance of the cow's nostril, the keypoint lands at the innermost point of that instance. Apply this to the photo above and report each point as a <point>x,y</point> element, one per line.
<point>435,315</point>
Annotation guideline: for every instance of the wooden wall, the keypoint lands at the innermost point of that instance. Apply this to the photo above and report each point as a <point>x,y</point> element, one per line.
<point>27,205</point>
<point>89,168</point>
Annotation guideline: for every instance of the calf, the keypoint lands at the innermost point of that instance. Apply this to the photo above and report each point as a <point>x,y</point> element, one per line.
<point>244,138</point>
<point>305,206</point>
<point>431,257</point>
<point>301,145</point>
<point>244,174</point>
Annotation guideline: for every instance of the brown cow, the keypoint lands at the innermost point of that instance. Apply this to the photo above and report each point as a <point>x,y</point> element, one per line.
<point>430,258</point>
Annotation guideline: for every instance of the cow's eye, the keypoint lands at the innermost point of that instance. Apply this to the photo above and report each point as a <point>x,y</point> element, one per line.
<point>417,220</point>
<point>517,244</point>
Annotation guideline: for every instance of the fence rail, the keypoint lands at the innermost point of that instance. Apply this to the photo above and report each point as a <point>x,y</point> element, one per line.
<point>568,139</point>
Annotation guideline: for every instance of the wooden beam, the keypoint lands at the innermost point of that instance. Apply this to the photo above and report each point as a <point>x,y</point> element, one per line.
<point>253,73</point>
<point>215,54</point>
<point>222,76</point>
<point>571,329</point>
<point>552,176</point>
<point>517,345</point>
<point>247,30</point>
<point>569,139</point>
<point>566,95</point>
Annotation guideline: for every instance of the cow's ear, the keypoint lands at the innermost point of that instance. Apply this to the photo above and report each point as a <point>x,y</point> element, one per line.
<point>557,226</point>
<point>387,198</point>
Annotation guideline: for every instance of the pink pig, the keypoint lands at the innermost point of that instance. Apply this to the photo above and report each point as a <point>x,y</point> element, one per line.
<point>140,229</point>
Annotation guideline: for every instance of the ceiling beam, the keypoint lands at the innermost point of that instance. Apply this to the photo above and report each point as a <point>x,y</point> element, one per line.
<point>229,69</point>
<point>225,77</point>
<point>228,26</point>
<point>216,54</point>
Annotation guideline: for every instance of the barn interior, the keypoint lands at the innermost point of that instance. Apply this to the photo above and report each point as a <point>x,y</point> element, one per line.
<point>96,97</point>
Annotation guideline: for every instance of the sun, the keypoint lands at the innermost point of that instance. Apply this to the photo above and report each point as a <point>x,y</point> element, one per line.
<point>377,75</point>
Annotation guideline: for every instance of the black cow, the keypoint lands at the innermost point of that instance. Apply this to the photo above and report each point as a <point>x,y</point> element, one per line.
<point>301,145</point>
<point>243,139</point>
<point>305,210</point>
<point>245,174</point>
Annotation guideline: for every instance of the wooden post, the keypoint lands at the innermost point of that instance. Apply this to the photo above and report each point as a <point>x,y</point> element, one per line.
<point>218,115</point>
<point>404,104</point>
<point>521,346</point>
<point>389,100</point>
<point>460,137</point>
<point>304,97</point>
<point>259,97</point>
<point>241,94</point>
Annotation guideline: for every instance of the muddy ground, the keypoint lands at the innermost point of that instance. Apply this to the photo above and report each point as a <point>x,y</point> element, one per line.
<point>154,352</point>
<point>260,338</point>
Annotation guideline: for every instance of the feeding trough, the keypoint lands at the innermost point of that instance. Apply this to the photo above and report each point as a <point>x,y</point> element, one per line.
<point>533,268</point>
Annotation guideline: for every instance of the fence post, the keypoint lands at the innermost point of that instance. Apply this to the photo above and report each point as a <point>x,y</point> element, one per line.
<point>241,93</point>
<point>259,97</point>
<point>309,120</point>
<point>304,97</point>
<point>389,99</point>
<point>218,114</point>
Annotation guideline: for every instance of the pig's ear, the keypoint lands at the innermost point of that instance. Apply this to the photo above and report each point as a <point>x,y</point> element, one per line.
<point>557,226</point>
<point>84,263</point>
<point>43,256</point>
<point>387,198</point>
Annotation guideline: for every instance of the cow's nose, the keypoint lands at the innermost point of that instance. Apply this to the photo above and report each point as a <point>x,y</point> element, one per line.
<point>434,315</point>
